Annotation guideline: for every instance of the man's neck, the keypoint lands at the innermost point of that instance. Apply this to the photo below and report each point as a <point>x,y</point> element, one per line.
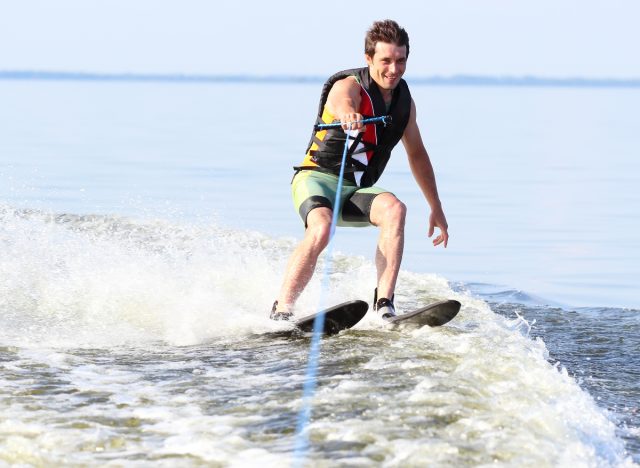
<point>387,95</point>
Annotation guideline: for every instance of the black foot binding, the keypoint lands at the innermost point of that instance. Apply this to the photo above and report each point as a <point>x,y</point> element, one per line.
<point>384,307</point>
<point>279,315</point>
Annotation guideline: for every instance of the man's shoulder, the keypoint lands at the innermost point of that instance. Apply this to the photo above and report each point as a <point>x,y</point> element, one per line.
<point>344,80</point>
<point>350,73</point>
<point>347,81</point>
<point>330,82</point>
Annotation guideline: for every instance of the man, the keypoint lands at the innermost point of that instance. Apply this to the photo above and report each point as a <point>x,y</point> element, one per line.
<point>349,97</point>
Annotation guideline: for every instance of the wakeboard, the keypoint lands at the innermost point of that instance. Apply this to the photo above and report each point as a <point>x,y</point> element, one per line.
<point>434,315</point>
<point>336,318</point>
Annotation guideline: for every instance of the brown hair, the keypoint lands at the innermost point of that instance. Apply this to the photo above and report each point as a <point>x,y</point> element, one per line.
<point>385,31</point>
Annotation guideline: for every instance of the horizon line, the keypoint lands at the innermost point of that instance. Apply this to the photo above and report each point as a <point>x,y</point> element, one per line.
<point>434,80</point>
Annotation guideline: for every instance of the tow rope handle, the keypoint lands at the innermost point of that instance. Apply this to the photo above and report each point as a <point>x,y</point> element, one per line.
<point>384,120</point>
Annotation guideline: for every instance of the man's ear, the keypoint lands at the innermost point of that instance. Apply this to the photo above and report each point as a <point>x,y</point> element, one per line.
<point>368,59</point>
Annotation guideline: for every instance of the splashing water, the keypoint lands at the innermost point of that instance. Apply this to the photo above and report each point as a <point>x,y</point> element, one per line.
<point>145,341</point>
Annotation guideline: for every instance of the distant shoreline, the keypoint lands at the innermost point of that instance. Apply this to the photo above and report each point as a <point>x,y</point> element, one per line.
<point>455,80</point>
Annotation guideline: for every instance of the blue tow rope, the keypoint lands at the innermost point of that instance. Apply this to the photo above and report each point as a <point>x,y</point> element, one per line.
<point>302,440</point>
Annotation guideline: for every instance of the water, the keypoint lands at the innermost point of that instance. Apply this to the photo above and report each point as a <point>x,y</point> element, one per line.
<point>145,229</point>
<point>539,184</point>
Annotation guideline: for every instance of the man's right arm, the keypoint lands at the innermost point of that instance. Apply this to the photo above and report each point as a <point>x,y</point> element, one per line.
<point>343,103</point>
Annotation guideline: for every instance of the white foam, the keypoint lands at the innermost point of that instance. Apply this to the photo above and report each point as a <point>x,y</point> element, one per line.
<point>101,281</point>
<point>476,391</point>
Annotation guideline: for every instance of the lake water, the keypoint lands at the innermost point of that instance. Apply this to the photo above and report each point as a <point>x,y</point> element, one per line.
<point>144,230</point>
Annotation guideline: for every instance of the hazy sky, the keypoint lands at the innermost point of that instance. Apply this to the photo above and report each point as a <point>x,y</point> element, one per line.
<point>554,38</point>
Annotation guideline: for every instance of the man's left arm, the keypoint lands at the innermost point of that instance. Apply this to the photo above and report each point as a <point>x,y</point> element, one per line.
<point>422,170</point>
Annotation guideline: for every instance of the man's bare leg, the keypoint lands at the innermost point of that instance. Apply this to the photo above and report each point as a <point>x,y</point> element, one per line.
<point>388,213</point>
<point>302,262</point>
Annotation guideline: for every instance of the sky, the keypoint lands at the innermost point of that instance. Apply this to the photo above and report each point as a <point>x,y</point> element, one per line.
<point>546,38</point>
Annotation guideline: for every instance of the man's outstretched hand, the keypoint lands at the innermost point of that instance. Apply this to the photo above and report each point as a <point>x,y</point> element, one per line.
<point>438,220</point>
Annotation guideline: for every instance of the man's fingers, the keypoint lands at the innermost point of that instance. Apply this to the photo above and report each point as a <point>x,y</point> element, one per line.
<point>351,121</point>
<point>442,238</point>
<point>445,238</point>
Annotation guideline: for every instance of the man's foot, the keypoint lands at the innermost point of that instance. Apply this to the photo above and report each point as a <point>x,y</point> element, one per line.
<point>279,315</point>
<point>384,307</point>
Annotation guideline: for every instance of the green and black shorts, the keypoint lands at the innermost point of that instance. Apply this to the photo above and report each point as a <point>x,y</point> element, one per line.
<point>313,189</point>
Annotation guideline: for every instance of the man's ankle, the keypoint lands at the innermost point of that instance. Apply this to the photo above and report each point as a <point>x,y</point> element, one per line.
<point>281,312</point>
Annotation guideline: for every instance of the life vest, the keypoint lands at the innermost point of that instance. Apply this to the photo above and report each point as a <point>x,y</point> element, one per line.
<point>370,149</point>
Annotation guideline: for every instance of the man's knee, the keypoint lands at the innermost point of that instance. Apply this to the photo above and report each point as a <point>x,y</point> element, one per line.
<point>318,229</point>
<point>388,209</point>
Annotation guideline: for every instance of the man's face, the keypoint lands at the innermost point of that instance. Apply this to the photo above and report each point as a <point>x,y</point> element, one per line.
<point>388,64</point>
